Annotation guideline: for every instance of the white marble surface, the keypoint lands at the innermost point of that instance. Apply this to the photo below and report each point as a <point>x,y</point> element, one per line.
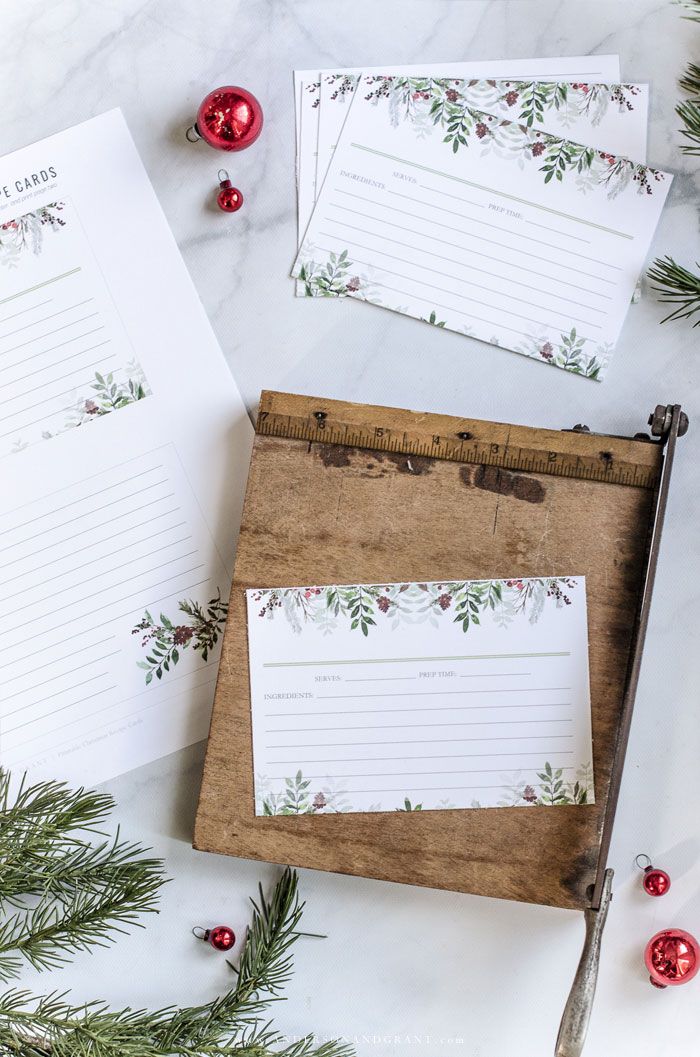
<point>404,971</point>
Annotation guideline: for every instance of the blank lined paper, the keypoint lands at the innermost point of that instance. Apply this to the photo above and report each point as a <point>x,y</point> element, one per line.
<point>123,457</point>
<point>78,570</point>
<point>420,696</point>
<point>65,358</point>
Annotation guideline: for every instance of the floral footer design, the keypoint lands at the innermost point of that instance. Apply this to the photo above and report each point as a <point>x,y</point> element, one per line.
<point>546,787</point>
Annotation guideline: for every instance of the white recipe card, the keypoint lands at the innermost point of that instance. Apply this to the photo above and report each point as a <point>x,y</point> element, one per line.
<point>124,448</point>
<point>488,227</point>
<point>420,696</point>
<point>318,128</point>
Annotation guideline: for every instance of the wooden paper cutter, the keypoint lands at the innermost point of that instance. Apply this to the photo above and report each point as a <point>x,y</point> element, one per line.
<point>349,493</point>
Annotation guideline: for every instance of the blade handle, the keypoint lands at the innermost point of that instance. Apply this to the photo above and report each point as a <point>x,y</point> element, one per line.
<point>577,1012</point>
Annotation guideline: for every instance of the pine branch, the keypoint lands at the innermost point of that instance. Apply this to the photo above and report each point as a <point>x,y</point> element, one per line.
<point>689,113</point>
<point>228,1027</point>
<point>692,7</point>
<point>66,892</point>
<point>690,83</point>
<point>677,286</point>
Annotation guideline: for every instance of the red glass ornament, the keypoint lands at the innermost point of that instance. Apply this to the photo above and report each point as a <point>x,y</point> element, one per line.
<point>229,118</point>
<point>229,198</point>
<point>672,958</point>
<point>655,882</point>
<point>222,938</point>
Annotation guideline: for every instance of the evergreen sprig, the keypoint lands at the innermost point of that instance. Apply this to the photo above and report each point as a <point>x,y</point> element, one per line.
<point>692,9</point>
<point>230,1026</point>
<point>61,890</point>
<point>678,286</point>
<point>689,113</point>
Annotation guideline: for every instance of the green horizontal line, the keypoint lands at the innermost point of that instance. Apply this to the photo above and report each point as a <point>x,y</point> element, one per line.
<point>413,660</point>
<point>492,191</point>
<point>47,282</point>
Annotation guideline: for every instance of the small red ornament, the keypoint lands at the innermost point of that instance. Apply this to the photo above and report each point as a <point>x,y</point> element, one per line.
<point>672,958</point>
<point>229,198</point>
<point>230,118</point>
<point>222,938</point>
<point>655,882</point>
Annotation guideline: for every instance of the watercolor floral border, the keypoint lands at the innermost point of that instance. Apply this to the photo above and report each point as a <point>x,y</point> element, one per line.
<point>337,275</point>
<point>106,394</point>
<point>163,640</point>
<point>362,606</point>
<point>447,105</point>
<point>546,787</point>
<point>26,233</point>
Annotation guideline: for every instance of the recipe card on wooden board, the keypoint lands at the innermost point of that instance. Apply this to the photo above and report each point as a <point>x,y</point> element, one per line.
<point>420,696</point>
<point>124,447</point>
<point>492,228</point>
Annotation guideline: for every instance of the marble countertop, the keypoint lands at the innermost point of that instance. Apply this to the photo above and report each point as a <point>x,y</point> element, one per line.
<point>404,971</point>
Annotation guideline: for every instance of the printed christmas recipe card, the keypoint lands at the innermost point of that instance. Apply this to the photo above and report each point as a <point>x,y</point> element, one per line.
<point>493,228</point>
<point>420,696</point>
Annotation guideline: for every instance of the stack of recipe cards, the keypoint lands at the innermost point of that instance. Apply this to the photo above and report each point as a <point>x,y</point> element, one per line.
<point>507,201</point>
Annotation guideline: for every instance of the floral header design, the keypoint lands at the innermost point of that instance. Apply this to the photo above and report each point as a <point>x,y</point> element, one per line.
<point>343,85</point>
<point>363,606</point>
<point>25,234</point>
<point>453,107</point>
<point>313,88</point>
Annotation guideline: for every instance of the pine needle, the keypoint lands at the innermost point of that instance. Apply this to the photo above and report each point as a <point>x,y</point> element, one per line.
<point>62,890</point>
<point>690,82</point>
<point>689,113</point>
<point>677,286</point>
<point>692,9</point>
<point>231,1026</point>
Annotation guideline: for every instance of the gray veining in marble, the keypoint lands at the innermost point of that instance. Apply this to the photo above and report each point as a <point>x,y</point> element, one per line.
<point>404,972</point>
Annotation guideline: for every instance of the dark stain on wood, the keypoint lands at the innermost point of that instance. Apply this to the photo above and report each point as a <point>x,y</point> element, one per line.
<point>412,464</point>
<point>503,482</point>
<point>334,455</point>
<point>582,872</point>
<point>340,457</point>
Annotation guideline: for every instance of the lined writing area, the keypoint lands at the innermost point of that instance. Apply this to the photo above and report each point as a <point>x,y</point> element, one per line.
<point>468,694</point>
<point>474,254</point>
<point>78,570</point>
<point>59,334</point>
<point>365,736</point>
<point>512,235</point>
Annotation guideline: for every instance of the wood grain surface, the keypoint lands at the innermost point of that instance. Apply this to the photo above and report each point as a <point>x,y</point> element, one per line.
<point>319,513</point>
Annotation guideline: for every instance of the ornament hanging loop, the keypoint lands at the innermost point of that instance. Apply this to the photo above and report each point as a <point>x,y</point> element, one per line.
<point>222,175</point>
<point>200,933</point>
<point>192,134</point>
<point>642,861</point>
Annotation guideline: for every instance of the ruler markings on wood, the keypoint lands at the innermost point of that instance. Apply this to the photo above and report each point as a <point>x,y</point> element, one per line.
<point>468,452</point>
